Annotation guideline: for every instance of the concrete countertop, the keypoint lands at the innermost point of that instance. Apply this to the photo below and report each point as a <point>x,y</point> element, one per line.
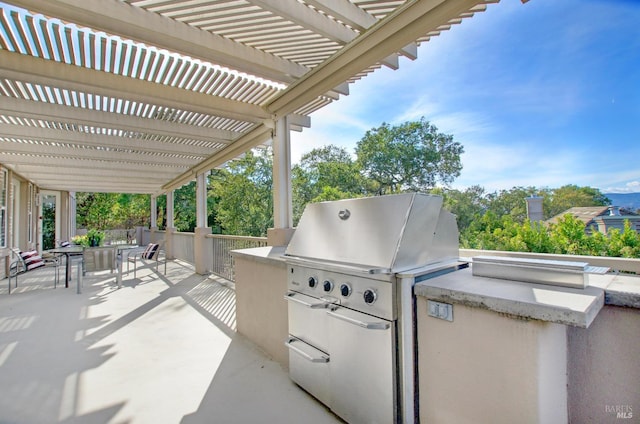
<point>267,254</point>
<point>623,290</point>
<point>619,289</point>
<point>569,306</point>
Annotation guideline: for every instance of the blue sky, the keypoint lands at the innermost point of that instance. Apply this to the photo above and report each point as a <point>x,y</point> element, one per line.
<point>540,94</point>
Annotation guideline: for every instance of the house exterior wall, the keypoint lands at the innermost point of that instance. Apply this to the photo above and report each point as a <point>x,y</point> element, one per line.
<point>608,223</point>
<point>26,206</point>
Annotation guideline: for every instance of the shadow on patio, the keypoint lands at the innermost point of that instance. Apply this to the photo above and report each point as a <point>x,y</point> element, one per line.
<point>162,349</point>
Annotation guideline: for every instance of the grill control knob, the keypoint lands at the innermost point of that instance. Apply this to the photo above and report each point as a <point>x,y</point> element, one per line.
<point>345,290</point>
<point>370,296</point>
<point>327,286</point>
<point>313,282</point>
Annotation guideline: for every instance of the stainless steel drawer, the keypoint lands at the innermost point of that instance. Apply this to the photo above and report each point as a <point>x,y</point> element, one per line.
<point>309,368</point>
<point>308,319</point>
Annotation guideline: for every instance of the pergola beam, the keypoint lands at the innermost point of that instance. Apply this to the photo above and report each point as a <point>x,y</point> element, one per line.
<point>25,68</point>
<point>408,23</point>
<point>102,187</point>
<point>11,106</point>
<point>66,165</point>
<point>356,17</point>
<point>105,155</point>
<point>111,142</point>
<point>135,23</point>
<point>140,174</point>
<point>302,15</point>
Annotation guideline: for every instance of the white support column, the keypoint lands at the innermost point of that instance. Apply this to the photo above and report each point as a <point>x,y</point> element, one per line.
<point>203,247</point>
<point>170,209</point>
<point>73,214</point>
<point>201,200</point>
<point>154,212</point>
<point>282,197</point>
<point>170,230</point>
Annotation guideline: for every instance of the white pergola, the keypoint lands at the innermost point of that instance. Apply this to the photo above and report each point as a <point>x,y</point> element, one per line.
<point>143,96</point>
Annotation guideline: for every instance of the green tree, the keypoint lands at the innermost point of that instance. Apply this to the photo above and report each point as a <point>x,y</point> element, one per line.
<point>95,210</point>
<point>513,202</point>
<point>48,225</point>
<point>132,210</point>
<point>243,194</point>
<point>467,205</point>
<point>411,156</point>
<point>104,211</point>
<point>184,208</point>
<point>326,173</point>
<point>625,243</point>
<point>569,196</point>
<point>480,233</point>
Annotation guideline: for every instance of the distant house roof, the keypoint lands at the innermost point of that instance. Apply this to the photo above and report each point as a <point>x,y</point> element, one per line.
<point>585,214</point>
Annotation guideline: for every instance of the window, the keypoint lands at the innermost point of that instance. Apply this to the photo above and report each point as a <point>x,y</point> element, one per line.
<point>4,190</point>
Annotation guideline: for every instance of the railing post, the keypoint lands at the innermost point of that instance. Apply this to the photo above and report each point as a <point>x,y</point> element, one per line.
<point>202,248</point>
<point>168,243</point>
<point>203,251</point>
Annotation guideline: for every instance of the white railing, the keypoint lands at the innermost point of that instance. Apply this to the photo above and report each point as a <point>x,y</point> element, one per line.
<point>118,236</point>
<point>223,264</point>
<point>182,246</point>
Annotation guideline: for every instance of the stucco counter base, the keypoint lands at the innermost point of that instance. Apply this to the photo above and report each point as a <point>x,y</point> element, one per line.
<point>261,311</point>
<point>562,305</point>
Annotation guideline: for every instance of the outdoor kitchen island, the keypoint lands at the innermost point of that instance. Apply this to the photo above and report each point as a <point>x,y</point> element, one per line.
<point>529,352</point>
<point>486,349</point>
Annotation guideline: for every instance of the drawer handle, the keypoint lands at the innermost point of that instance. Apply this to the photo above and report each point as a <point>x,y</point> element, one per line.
<point>305,355</point>
<point>379,325</point>
<point>290,296</point>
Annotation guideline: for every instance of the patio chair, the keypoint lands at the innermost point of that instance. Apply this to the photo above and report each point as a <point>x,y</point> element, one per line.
<point>96,259</point>
<point>29,261</point>
<point>150,253</point>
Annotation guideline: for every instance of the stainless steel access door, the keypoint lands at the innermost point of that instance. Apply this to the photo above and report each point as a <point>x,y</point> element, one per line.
<point>362,370</point>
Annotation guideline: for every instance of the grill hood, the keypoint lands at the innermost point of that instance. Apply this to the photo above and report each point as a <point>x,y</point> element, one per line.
<point>383,234</point>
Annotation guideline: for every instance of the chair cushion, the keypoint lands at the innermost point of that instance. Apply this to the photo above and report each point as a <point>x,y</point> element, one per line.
<point>32,260</point>
<point>151,250</point>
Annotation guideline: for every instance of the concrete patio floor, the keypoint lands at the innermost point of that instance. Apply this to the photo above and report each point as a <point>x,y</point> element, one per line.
<point>161,349</point>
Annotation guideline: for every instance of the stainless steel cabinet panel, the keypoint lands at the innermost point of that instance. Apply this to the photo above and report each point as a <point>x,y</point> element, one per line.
<point>362,373</point>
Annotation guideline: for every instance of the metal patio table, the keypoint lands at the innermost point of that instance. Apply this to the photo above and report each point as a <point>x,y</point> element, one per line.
<point>68,252</point>
<point>77,251</point>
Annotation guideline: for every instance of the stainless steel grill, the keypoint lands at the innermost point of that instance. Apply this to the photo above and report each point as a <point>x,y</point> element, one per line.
<point>352,265</point>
